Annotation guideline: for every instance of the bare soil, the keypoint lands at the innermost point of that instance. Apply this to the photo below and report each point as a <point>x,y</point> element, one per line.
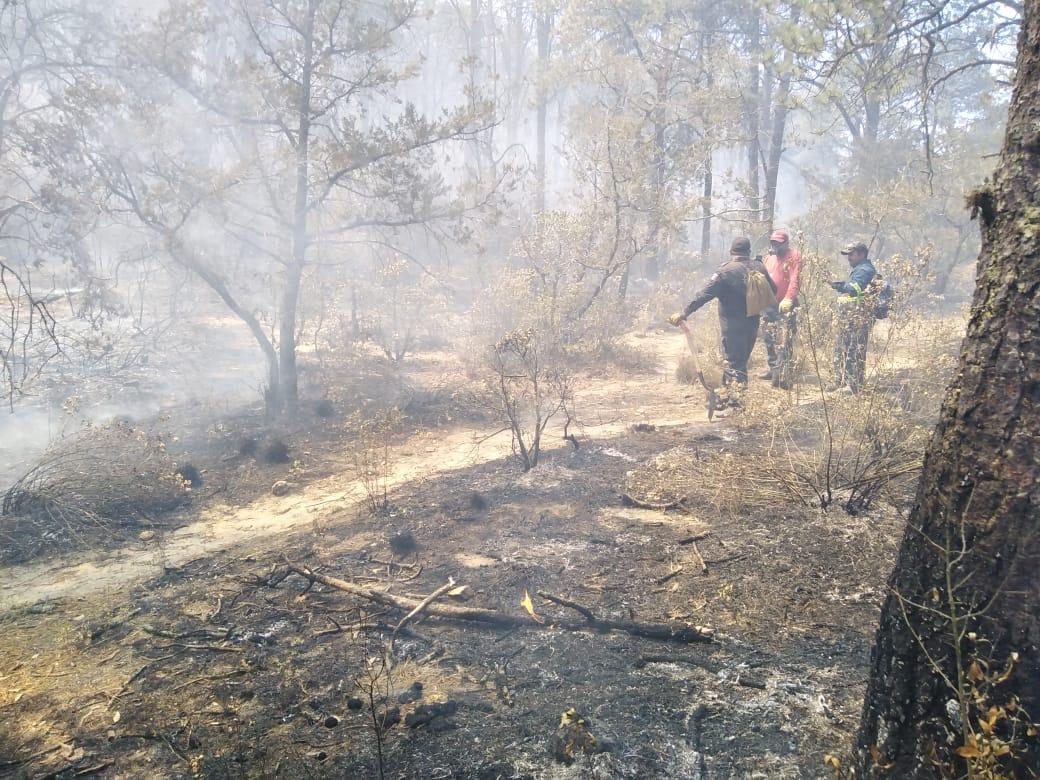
<point>193,654</point>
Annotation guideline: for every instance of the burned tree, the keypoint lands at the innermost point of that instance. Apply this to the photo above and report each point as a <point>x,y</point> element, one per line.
<point>954,686</point>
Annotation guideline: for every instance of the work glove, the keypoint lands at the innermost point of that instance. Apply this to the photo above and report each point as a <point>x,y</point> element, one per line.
<point>677,319</point>
<point>838,286</point>
<point>786,305</point>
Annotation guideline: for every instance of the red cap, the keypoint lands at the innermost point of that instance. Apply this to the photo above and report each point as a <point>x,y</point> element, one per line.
<point>780,236</point>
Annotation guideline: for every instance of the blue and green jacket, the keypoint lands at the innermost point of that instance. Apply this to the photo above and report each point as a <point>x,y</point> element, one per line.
<point>860,278</point>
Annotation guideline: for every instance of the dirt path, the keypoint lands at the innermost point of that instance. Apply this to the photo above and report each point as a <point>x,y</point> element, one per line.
<point>607,406</point>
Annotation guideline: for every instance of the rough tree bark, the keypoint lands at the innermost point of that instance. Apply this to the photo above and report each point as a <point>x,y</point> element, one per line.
<point>980,494</point>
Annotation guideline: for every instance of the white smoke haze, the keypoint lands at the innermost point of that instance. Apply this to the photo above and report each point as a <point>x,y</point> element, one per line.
<point>194,240</point>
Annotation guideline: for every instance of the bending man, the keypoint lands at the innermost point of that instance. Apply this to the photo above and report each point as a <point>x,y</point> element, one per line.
<point>730,286</point>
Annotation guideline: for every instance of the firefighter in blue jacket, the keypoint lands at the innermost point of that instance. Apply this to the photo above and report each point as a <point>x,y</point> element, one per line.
<point>855,319</point>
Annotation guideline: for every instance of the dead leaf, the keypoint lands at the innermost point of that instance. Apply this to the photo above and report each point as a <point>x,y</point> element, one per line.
<point>116,716</point>
<point>970,750</point>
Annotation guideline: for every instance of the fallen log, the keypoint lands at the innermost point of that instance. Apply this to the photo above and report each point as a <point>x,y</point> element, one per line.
<point>492,617</point>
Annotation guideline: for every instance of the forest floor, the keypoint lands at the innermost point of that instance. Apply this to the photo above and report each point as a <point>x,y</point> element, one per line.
<point>192,652</point>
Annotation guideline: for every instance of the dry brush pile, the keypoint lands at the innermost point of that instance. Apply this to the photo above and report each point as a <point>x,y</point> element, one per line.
<point>90,484</point>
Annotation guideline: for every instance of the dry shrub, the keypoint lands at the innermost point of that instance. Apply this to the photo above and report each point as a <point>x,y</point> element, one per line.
<point>562,279</point>
<point>630,357</point>
<point>847,449</point>
<point>851,449</point>
<point>689,476</point>
<point>98,480</point>
<point>528,386</point>
<point>686,371</point>
<point>370,450</point>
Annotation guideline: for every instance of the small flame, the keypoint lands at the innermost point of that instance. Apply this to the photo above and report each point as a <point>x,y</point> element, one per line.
<point>527,604</point>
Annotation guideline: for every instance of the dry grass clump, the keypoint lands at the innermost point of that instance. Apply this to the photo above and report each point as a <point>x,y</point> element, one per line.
<point>98,480</point>
<point>689,476</point>
<point>685,371</point>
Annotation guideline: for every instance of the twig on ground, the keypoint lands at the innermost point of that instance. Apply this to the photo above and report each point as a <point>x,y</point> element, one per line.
<point>337,628</point>
<point>693,539</point>
<point>673,573</point>
<point>422,606</point>
<point>629,500</point>
<point>586,612</point>
<point>211,648</point>
<point>209,678</point>
<point>90,770</point>
<point>208,633</point>
<point>700,559</point>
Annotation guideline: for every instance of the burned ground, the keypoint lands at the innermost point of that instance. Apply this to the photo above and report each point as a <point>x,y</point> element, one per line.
<point>226,666</point>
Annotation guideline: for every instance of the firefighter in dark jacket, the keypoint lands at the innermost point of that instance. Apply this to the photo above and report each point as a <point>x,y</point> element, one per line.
<point>729,285</point>
<point>856,317</point>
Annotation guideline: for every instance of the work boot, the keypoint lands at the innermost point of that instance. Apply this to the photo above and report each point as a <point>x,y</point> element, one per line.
<point>766,375</point>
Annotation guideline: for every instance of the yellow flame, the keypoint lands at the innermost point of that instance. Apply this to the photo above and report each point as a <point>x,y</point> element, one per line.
<point>527,604</point>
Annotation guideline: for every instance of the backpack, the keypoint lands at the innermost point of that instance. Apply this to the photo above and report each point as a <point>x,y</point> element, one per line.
<point>881,293</point>
<point>759,295</point>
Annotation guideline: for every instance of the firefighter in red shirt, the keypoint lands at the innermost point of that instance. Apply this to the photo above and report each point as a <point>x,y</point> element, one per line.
<point>784,265</point>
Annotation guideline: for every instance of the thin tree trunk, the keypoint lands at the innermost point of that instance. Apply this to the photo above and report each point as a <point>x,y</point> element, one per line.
<point>776,137</point>
<point>544,27</point>
<point>272,393</point>
<point>707,192</point>
<point>653,261</point>
<point>966,581</point>
<point>706,196</point>
<point>942,278</point>
<point>294,273</point>
<point>753,148</point>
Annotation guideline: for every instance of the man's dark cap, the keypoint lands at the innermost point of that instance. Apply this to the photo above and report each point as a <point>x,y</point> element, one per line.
<point>740,246</point>
<point>855,246</point>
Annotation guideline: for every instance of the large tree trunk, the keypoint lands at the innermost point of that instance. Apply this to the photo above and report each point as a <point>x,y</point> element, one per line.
<point>967,580</point>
